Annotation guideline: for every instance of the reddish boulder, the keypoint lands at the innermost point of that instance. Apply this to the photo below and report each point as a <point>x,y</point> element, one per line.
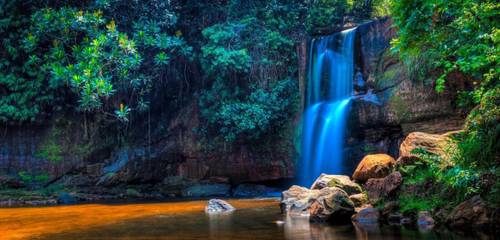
<point>374,166</point>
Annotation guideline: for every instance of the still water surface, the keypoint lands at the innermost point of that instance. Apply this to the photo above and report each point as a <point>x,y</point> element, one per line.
<point>254,220</point>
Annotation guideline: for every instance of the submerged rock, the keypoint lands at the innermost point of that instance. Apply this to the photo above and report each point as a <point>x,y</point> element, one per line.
<point>473,213</point>
<point>374,166</point>
<point>368,215</point>
<point>340,181</point>
<point>218,206</point>
<point>378,188</point>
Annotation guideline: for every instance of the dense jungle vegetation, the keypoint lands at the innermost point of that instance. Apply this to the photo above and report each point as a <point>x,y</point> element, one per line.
<point>103,60</point>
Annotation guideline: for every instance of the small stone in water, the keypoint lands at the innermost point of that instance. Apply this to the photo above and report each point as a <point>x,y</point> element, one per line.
<point>218,206</point>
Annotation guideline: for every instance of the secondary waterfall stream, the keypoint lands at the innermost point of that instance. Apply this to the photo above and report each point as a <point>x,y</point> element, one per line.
<point>329,90</point>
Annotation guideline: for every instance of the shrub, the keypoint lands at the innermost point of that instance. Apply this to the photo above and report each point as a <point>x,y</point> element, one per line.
<point>259,113</point>
<point>324,13</point>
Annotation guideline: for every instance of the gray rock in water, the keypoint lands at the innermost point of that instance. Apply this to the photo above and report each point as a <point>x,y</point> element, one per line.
<point>218,206</point>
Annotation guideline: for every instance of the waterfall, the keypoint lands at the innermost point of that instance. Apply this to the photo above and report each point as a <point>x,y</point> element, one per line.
<point>329,89</point>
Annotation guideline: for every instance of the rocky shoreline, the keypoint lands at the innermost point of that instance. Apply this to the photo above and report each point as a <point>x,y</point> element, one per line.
<point>25,197</point>
<point>372,195</point>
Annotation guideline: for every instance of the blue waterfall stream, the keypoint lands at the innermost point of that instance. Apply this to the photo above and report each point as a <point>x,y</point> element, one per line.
<point>328,96</point>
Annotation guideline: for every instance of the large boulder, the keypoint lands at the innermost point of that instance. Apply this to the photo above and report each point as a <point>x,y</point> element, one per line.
<point>218,206</point>
<point>332,205</point>
<point>374,166</point>
<point>297,200</point>
<point>473,213</point>
<point>326,204</point>
<point>432,143</point>
<point>340,181</point>
<point>378,188</point>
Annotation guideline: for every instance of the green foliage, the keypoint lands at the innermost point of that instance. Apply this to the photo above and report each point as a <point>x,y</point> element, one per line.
<point>245,58</point>
<point>460,35</point>
<point>479,145</point>
<point>90,56</point>
<point>66,50</point>
<point>460,38</point>
<point>380,7</point>
<point>224,51</point>
<point>258,113</point>
<point>412,203</point>
<point>324,13</point>
<point>41,178</point>
<point>27,178</point>
<point>122,113</point>
<point>456,182</point>
<point>51,151</point>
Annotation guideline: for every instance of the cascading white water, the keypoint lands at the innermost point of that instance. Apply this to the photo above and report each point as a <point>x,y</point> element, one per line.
<point>329,90</point>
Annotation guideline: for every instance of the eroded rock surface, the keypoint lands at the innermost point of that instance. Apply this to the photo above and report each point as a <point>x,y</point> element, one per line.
<point>433,143</point>
<point>341,181</point>
<point>378,188</point>
<point>333,205</point>
<point>359,199</point>
<point>473,213</point>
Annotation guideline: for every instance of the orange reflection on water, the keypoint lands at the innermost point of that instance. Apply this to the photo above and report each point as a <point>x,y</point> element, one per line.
<point>24,223</point>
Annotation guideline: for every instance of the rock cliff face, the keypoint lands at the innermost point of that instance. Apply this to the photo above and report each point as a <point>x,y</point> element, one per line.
<point>170,161</point>
<point>393,103</point>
